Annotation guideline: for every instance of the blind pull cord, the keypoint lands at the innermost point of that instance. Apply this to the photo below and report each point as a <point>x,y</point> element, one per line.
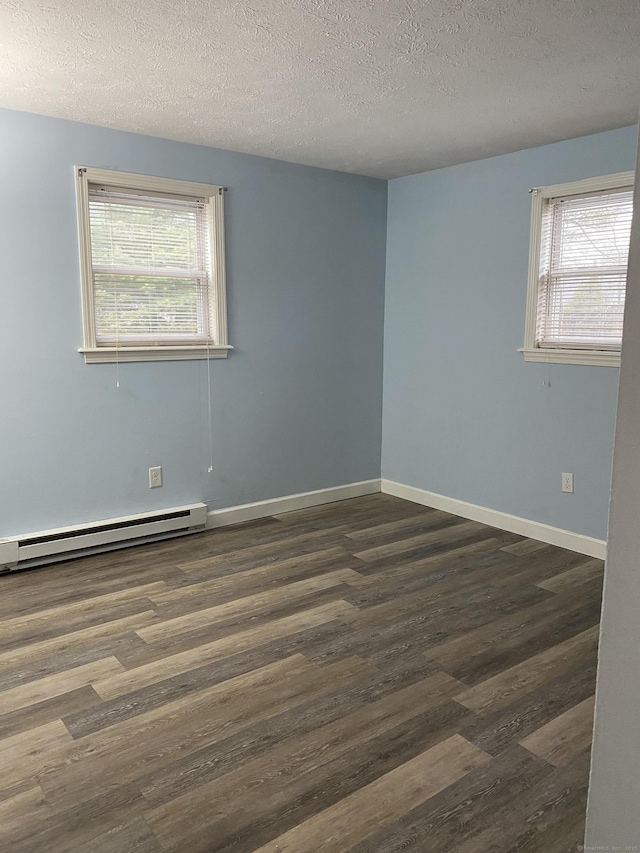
<point>210,468</point>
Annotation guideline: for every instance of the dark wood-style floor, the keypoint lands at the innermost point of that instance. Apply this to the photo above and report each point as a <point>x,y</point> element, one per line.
<point>368,676</point>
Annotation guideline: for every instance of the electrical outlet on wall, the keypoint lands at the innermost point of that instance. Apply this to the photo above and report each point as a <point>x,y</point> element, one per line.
<point>155,477</point>
<point>567,483</point>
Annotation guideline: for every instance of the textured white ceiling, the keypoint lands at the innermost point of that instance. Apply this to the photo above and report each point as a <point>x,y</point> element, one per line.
<point>378,87</point>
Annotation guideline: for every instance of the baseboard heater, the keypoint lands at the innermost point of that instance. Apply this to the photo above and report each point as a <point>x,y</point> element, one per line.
<point>64,543</point>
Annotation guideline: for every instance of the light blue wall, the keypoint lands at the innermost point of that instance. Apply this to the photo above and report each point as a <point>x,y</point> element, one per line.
<point>296,407</point>
<point>464,415</point>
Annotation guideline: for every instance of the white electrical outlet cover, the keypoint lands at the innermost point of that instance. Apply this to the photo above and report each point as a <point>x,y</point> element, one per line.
<point>567,483</point>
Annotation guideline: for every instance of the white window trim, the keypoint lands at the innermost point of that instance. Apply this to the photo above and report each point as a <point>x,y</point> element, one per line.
<point>531,352</point>
<point>94,354</point>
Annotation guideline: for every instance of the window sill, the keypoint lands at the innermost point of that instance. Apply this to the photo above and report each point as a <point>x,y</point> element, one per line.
<point>602,358</point>
<point>104,355</point>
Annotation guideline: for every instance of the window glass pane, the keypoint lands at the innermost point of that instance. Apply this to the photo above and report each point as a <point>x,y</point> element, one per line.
<point>148,306</point>
<point>150,267</point>
<point>592,232</point>
<point>586,308</point>
<point>585,247</point>
<point>144,236</point>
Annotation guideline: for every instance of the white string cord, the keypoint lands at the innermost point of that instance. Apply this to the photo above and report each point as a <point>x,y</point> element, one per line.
<point>210,468</point>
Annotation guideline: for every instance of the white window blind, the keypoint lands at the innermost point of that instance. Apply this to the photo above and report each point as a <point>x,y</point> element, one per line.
<point>583,270</point>
<point>151,267</point>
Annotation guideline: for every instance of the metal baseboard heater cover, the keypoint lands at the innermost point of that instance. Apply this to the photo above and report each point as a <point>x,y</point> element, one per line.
<point>49,546</point>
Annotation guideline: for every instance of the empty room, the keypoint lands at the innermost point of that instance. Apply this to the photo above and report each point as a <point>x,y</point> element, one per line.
<point>320,336</point>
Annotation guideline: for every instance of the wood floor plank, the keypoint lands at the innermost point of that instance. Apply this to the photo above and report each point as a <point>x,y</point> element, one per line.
<point>22,756</point>
<point>23,719</point>
<point>431,527</point>
<point>16,810</point>
<point>144,653</point>
<point>432,569</point>
<point>199,586</point>
<point>108,712</point>
<point>59,658</point>
<point>507,828</point>
<point>347,773</point>
<point>438,549</point>
<point>525,547</point>
<point>562,739</point>
<point>263,554</point>
<point>64,613</point>
<point>32,590</point>
<point>544,563</point>
<point>582,574</point>
<point>563,837</point>
<point>488,650</point>
<point>212,761</point>
<point>503,689</point>
<point>58,684</point>
<point>26,654</point>
<point>59,830</point>
<point>235,793</point>
<point>137,736</point>
<point>246,606</point>
<point>57,629</point>
<point>496,730</point>
<point>134,837</point>
<point>436,600</point>
<point>128,750</point>
<point>411,544</point>
<point>430,589</point>
<point>142,676</point>
<point>419,521</point>
<point>501,631</point>
<point>411,625</point>
<point>562,792</point>
<point>360,511</point>
<point>339,827</point>
<point>351,522</point>
<point>464,809</point>
<point>557,821</point>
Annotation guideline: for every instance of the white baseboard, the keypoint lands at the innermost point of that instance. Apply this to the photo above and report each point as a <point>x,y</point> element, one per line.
<point>273,506</point>
<point>503,520</point>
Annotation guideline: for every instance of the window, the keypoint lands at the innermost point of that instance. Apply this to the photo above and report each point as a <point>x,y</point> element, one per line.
<point>152,264</point>
<point>578,270</point>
